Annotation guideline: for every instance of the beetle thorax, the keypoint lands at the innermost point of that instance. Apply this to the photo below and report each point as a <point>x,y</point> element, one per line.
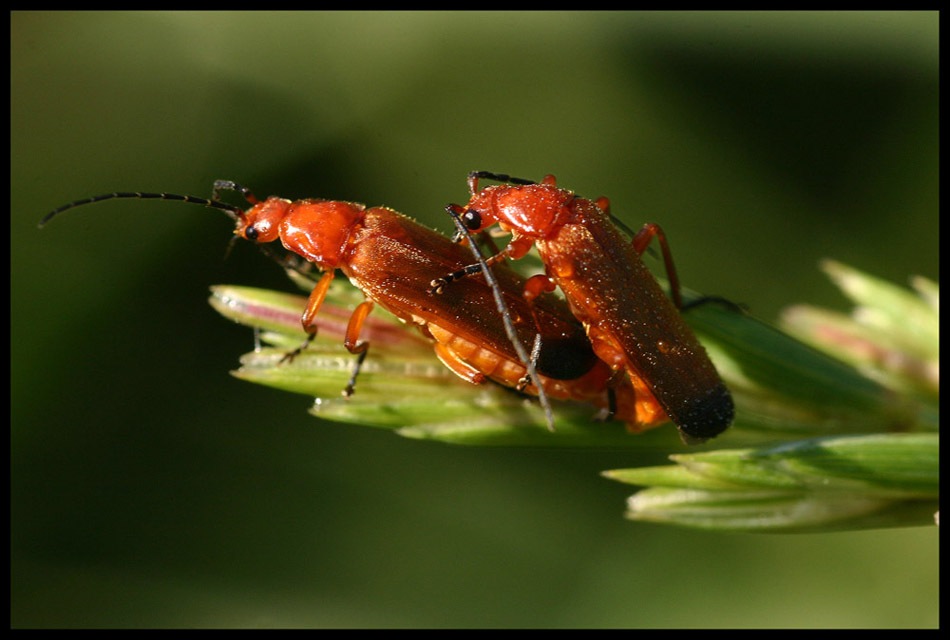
<point>533,210</point>
<point>319,230</point>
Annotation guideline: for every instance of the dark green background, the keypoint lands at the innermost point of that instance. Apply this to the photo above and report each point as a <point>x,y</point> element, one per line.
<point>151,488</point>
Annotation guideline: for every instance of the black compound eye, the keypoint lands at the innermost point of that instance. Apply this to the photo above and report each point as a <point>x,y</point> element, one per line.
<point>472,219</point>
<point>250,233</point>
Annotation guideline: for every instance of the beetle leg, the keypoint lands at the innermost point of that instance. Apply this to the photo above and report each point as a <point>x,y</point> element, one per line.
<point>640,242</point>
<point>516,249</point>
<point>308,318</point>
<point>459,367</point>
<point>609,412</point>
<point>353,344</point>
<point>438,285</point>
<point>535,286</point>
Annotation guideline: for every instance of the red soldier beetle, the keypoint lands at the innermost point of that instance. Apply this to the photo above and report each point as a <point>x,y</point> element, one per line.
<point>389,257</point>
<point>632,325</point>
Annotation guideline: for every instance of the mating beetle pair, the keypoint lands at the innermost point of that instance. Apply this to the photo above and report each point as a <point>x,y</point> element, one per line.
<point>618,342</point>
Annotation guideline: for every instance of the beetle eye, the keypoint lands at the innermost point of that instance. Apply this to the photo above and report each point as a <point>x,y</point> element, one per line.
<point>472,219</point>
<point>250,233</point>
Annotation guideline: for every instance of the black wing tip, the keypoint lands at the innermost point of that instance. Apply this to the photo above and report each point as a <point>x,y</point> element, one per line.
<point>708,417</point>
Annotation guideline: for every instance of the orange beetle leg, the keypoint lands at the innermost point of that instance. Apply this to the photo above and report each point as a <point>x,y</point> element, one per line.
<point>353,344</point>
<point>308,318</point>
<point>536,285</point>
<point>640,242</point>
<point>462,369</point>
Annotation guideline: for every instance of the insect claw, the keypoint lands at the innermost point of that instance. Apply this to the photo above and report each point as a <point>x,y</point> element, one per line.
<point>522,383</point>
<point>437,286</point>
<point>290,355</point>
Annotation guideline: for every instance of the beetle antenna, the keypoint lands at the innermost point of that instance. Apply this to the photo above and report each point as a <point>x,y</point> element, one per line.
<point>505,315</point>
<point>231,210</point>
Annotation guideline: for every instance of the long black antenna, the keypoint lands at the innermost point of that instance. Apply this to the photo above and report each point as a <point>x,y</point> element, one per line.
<point>234,212</point>
<point>528,361</point>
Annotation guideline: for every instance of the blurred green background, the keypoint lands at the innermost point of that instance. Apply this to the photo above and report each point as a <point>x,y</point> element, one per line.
<point>149,488</point>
